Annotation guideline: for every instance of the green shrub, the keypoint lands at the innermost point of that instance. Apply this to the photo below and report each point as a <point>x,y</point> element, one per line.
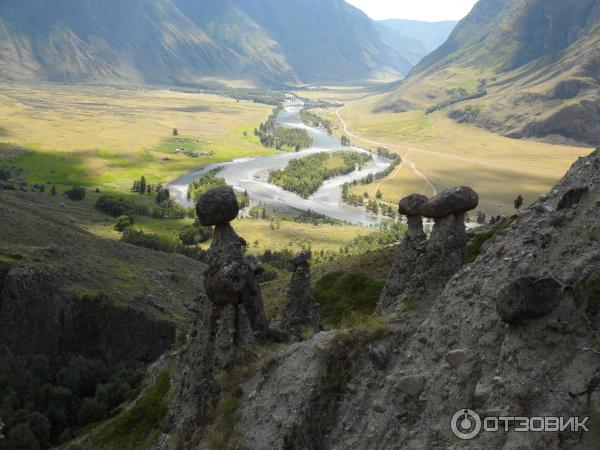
<point>113,206</point>
<point>124,222</point>
<point>138,427</point>
<point>343,295</point>
<point>76,193</point>
<point>474,245</point>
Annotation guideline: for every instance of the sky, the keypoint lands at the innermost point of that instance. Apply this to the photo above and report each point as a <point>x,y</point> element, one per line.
<point>428,10</point>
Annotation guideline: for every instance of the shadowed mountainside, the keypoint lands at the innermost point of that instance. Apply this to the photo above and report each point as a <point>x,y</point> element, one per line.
<point>188,42</point>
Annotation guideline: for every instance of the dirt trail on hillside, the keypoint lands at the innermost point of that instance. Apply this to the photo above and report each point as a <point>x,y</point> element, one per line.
<point>467,159</point>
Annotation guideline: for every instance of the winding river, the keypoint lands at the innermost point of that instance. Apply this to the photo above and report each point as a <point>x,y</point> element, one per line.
<point>251,174</point>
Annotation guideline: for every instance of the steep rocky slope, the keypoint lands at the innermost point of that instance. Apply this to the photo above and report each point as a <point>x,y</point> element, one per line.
<point>513,334</point>
<point>540,63</point>
<point>64,290</point>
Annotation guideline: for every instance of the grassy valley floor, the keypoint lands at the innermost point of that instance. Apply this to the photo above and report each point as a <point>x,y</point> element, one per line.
<point>439,153</point>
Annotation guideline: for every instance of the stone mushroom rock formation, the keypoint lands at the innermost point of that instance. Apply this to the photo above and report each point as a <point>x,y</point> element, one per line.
<point>217,206</point>
<point>406,257</point>
<point>410,207</point>
<point>448,240</point>
<point>459,353</point>
<point>230,319</point>
<point>301,312</point>
<point>230,277</point>
<point>422,268</point>
<point>453,201</point>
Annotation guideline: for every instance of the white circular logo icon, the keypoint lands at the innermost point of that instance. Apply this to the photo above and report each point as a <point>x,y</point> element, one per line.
<point>466,424</point>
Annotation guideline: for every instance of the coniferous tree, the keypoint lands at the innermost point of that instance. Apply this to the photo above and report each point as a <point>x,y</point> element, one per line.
<point>519,203</point>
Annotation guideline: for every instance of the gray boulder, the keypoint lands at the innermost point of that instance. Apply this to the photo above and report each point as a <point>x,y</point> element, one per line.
<point>410,206</point>
<point>217,206</point>
<point>457,200</point>
<point>528,298</point>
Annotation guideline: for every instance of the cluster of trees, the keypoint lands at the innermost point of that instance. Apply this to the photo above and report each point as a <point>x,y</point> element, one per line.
<point>359,200</point>
<point>195,234</point>
<point>460,95</point>
<point>44,401</point>
<point>305,175</point>
<point>169,243</point>
<point>142,187</point>
<point>345,141</point>
<point>210,180</point>
<point>118,207</point>
<point>313,120</point>
<point>206,182</point>
<point>273,136</point>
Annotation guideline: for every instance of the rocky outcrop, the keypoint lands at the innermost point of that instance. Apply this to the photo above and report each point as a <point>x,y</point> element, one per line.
<point>422,268</point>
<point>301,312</point>
<point>230,277</point>
<point>229,322</point>
<point>38,315</point>
<point>411,248</point>
<point>515,333</point>
<point>577,121</point>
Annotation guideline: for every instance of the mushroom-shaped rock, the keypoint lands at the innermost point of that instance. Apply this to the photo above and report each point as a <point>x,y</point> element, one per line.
<point>301,310</point>
<point>457,200</point>
<point>409,206</point>
<point>217,206</point>
<point>302,258</point>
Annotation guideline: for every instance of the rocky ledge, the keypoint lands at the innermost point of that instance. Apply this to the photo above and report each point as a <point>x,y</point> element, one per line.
<point>516,333</point>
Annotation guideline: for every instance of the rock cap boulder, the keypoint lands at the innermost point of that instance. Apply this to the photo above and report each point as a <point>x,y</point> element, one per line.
<point>217,206</point>
<point>409,206</point>
<point>451,201</point>
<point>301,258</point>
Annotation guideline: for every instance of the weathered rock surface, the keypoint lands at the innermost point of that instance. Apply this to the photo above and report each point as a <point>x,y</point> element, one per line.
<point>451,201</point>
<point>301,311</point>
<point>410,250</point>
<point>422,268</point>
<point>39,316</point>
<point>217,206</point>
<point>457,354</point>
<point>229,323</point>
<point>528,298</point>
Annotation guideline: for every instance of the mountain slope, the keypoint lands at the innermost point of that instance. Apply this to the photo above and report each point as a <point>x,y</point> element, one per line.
<point>187,41</point>
<point>89,40</point>
<point>326,40</point>
<point>540,60</point>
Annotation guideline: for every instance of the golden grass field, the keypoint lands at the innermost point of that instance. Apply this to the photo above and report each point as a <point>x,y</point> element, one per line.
<point>107,137</point>
<point>259,234</point>
<point>439,153</point>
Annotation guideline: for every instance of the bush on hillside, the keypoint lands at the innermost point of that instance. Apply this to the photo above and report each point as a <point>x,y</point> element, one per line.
<point>76,193</point>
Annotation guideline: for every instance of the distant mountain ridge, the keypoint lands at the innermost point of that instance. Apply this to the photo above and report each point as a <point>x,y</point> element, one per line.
<point>538,60</point>
<point>430,34</point>
<point>186,41</point>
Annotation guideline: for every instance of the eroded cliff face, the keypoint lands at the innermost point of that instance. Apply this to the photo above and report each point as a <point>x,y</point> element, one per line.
<point>516,333</point>
<point>38,315</point>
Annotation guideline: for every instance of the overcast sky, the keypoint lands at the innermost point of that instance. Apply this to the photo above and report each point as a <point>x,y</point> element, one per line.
<point>429,10</point>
